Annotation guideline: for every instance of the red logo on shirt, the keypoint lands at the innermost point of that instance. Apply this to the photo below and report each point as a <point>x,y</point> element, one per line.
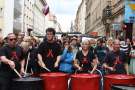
<point>85,61</point>
<point>14,55</point>
<point>117,61</point>
<point>50,53</point>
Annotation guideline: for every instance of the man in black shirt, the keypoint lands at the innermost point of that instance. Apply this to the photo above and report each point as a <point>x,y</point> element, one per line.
<point>100,51</point>
<point>12,57</point>
<point>49,51</point>
<point>115,61</point>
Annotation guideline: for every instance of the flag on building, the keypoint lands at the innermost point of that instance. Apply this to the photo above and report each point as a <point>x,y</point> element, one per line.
<point>129,11</point>
<point>46,9</point>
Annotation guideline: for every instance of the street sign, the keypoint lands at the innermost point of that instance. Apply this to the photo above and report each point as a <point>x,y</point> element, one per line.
<point>129,11</point>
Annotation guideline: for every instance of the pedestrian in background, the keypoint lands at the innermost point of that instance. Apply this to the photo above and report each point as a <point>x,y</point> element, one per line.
<point>110,44</point>
<point>132,60</point>
<point>67,58</point>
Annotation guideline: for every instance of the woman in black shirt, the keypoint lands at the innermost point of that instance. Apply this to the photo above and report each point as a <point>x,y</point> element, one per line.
<point>85,59</point>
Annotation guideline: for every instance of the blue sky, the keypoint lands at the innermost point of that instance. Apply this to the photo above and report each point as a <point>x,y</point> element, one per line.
<point>65,11</point>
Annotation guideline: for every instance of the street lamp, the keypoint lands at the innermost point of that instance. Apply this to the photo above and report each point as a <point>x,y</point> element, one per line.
<point>106,18</point>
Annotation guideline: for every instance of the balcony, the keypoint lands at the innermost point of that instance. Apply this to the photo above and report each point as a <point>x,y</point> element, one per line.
<point>17,8</point>
<point>118,7</point>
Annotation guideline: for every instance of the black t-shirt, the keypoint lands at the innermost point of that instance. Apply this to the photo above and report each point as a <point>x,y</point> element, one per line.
<point>33,53</point>
<point>15,54</point>
<point>101,52</point>
<point>85,61</point>
<point>117,61</point>
<point>49,52</point>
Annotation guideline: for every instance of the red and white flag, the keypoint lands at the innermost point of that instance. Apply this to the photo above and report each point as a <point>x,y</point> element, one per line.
<point>46,9</point>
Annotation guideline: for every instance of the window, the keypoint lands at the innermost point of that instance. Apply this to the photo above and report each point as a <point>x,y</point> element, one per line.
<point>1,12</point>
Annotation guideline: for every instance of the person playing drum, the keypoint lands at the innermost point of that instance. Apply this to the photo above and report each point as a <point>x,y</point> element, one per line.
<point>12,57</point>
<point>115,61</point>
<point>49,52</point>
<point>85,60</point>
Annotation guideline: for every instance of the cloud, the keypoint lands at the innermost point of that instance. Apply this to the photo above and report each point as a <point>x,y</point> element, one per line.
<point>65,10</point>
<point>65,21</point>
<point>64,6</point>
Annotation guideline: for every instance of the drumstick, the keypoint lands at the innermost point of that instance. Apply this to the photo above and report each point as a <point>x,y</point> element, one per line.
<point>46,69</point>
<point>27,62</point>
<point>76,71</point>
<point>17,73</point>
<point>89,71</point>
<point>31,71</point>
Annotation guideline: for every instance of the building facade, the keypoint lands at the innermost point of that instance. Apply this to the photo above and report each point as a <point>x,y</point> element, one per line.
<point>17,20</point>
<point>106,18</point>
<point>51,21</point>
<point>10,16</point>
<point>80,17</point>
<point>118,10</point>
<point>1,15</point>
<point>28,15</point>
<point>10,12</point>
<point>94,10</point>
<point>117,18</point>
<point>39,18</point>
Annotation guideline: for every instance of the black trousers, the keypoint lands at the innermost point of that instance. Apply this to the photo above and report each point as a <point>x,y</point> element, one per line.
<point>5,84</point>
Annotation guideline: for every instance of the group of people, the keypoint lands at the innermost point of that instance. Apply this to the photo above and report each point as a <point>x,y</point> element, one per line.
<point>69,55</point>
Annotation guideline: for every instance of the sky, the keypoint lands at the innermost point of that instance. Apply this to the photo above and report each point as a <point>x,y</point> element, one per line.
<point>65,11</point>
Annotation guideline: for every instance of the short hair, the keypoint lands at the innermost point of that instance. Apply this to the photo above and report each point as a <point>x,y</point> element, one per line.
<point>10,34</point>
<point>116,40</point>
<point>100,40</point>
<point>51,30</point>
<point>25,45</point>
<point>64,34</point>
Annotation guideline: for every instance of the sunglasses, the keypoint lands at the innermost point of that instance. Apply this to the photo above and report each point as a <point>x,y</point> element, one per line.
<point>11,39</point>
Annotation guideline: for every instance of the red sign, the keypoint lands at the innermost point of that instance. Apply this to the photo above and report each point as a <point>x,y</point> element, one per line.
<point>93,33</point>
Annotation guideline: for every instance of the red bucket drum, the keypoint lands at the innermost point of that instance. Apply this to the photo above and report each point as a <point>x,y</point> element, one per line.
<point>85,82</point>
<point>118,79</point>
<point>55,81</point>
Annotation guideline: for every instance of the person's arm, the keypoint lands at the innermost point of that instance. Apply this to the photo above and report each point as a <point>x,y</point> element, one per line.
<point>56,64</point>
<point>4,59</point>
<point>22,66</point>
<point>7,61</point>
<point>59,52</point>
<point>108,67</point>
<point>39,54</point>
<point>76,61</point>
<point>126,68</point>
<point>76,64</point>
<point>106,61</point>
<point>40,61</point>
<point>94,63</point>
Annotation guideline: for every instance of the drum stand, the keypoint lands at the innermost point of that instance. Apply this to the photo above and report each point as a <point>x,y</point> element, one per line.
<point>102,79</point>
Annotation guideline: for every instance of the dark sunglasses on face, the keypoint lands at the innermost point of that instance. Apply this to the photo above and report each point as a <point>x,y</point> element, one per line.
<point>11,39</point>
